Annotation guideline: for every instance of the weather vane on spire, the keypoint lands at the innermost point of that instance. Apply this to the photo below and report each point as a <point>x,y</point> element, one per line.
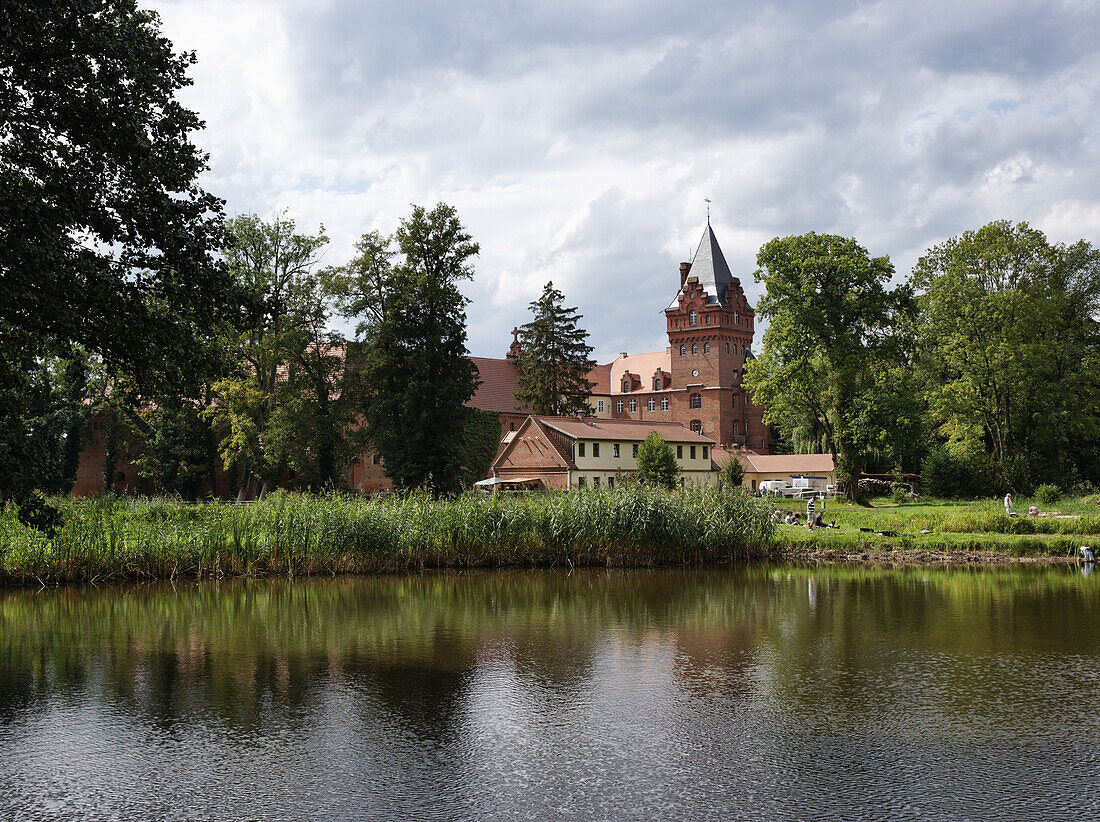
<point>707,200</point>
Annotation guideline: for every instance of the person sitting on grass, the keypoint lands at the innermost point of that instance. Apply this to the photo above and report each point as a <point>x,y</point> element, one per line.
<point>1033,511</point>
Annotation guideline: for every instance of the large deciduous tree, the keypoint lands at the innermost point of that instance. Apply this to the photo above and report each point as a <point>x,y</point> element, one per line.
<point>284,354</point>
<point>106,240</point>
<point>555,358</point>
<point>831,345</point>
<point>1010,345</point>
<point>412,321</point>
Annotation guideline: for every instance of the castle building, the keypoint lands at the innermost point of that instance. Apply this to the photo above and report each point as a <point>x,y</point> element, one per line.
<point>697,379</point>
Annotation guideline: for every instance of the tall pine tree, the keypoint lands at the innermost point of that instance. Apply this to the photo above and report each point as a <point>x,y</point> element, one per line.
<point>555,358</point>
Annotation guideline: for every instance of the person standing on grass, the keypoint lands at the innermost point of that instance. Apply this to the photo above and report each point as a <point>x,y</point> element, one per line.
<point>810,514</point>
<point>1008,504</point>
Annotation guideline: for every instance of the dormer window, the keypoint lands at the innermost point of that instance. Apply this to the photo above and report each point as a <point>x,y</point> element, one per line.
<point>693,319</point>
<point>626,385</point>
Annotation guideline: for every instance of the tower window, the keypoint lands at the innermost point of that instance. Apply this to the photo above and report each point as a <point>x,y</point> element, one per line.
<point>727,348</point>
<point>735,401</point>
<point>683,350</point>
<point>692,318</point>
<point>736,318</point>
<point>696,401</point>
<point>708,319</point>
<point>696,427</point>
<point>677,323</point>
<point>706,348</point>
<point>694,348</point>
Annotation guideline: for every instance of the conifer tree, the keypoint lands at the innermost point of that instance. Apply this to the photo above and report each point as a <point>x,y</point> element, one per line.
<point>555,358</point>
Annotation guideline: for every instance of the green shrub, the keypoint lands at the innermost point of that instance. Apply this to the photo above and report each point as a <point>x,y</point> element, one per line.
<point>899,492</point>
<point>1047,494</point>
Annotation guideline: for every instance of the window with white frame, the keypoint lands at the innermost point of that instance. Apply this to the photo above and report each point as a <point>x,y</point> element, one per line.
<point>633,406</point>
<point>651,405</point>
<point>683,350</point>
<point>706,348</point>
<point>694,348</point>
<point>664,403</point>
<point>599,406</point>
<point>692,318</point>
<point>619,406</point>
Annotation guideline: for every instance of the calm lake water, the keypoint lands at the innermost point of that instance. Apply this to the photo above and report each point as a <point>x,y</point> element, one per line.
<point>761,693</point>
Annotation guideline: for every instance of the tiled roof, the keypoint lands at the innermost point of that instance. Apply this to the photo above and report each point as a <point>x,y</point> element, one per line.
<point>600,377</point>
<point>641,365</point>
<point>787,463</point>
<point>499,384</point>
<point>710,266</point>
<point>591,428</point>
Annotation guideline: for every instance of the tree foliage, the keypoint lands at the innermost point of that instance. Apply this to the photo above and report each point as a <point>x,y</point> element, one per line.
<point>656,462</point>
<point>732,474</point>
<point>831,349</point>
<point>1009,344</point>
<point>555,358</point>
<point>107,243</point>
<point>412,321</point>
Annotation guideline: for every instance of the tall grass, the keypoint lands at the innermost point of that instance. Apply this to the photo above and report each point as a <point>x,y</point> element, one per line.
<point>296,534</point>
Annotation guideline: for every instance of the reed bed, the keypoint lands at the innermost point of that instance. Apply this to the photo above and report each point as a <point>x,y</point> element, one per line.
<point>114,538</point>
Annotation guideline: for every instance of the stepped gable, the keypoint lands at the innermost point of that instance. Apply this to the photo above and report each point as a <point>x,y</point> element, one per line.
<point>710,268</point>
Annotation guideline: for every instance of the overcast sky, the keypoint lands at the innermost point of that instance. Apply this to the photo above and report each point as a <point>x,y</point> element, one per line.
<point>578,140</point>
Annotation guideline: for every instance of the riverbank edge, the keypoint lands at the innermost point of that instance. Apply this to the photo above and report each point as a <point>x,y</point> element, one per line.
<point>901,557</point>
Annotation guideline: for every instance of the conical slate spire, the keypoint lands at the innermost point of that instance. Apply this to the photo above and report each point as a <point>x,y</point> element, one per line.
<point>710,266</point>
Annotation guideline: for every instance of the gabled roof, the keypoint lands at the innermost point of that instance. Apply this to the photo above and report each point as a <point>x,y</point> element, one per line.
<point>592,428</point>
<point>786,463</point>
<point>532,444</point>
<point>710,267</point>
<point>499,384</point>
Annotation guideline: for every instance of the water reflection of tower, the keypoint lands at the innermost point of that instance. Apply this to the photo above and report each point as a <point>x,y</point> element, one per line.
<point>811,593</point>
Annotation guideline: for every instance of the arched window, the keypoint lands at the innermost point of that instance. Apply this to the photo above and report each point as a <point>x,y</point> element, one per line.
<point>727,348</point>
<point>626,385</point>
<point>706,348</point>
<point>708,319</point>
<point>736,318</point>
<point>696,401</point>
<point>692,318</point>
<point>652,404</point>
<point>735,401</point>
<point>697,426</point>
<point>694,348</point>
<point>677,323</point>
<point>683,350</point>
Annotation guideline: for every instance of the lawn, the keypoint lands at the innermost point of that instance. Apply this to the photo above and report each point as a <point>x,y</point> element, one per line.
<point>950,526</point>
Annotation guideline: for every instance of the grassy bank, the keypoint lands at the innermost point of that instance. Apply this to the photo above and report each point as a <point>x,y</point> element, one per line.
<point>295,534</point>
<point>952,526</point>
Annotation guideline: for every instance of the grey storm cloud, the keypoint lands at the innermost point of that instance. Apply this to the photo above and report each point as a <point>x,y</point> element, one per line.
<point>579,139</point>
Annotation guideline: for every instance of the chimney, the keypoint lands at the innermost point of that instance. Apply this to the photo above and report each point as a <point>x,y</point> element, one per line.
<point>622,354</point>
<point>684,269</point>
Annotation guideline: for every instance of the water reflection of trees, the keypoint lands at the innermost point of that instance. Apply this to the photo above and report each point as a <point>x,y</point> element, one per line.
<point>233,649</point>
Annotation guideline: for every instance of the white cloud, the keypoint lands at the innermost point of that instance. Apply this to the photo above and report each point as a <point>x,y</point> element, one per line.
<point>578,140</point>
